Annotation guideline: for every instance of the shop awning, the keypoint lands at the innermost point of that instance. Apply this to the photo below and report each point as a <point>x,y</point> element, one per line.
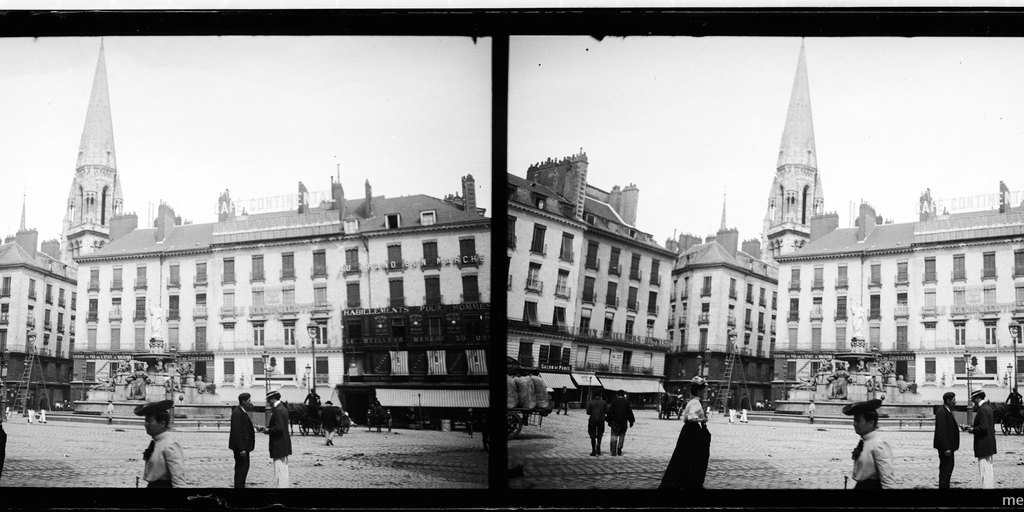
<point>460,398</point>
<point>557,381</point>
<point>632,385</point>
<point>585,379</point>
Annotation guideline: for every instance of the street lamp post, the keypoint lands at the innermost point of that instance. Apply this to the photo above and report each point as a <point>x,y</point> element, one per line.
<point>1014,339</point>
<point>969,368</point>
<point>308,387</point>
<point>266,382</point>
<point>314,332</point>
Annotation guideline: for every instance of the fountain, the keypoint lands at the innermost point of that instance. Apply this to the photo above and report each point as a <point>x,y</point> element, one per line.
<point>151,376</point>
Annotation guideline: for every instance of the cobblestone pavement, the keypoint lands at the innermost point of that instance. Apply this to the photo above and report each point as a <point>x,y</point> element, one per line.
<point>58,454</point>
<point>756,455</point>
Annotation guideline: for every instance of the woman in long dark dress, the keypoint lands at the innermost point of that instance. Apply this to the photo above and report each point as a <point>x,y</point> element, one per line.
<point>689,463</point>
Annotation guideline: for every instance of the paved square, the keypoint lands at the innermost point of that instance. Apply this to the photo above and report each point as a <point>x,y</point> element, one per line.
<point>755,455</point>
<point>64,454</point>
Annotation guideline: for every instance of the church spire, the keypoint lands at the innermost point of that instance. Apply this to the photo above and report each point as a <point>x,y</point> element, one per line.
<point>97,146</point>
<point>797,145</point>
<point>22,228</point>
<point>723,211</point>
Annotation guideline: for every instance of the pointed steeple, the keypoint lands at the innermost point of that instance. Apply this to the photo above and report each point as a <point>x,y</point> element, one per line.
<point>723,211</point>
<point>22,228</point>
<point>97,146</point>
<point>798,137</point>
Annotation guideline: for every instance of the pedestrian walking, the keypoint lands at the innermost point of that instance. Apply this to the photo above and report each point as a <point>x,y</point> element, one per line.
<point>984,438</point>
<point>3,449</point>
<point>563,404</point>
<point>164,458</point>
<point>110,412</point>
<point>810,411</point>
<point>947,438</point>
<point>280,439</point>
<point>31,416</point>
<point>619,414</point>
<point>242,438</point>
<point>330,420</point>
<point>42,415</point>
<point>873,457</point>
<point>596,409</point>
<point>1014,400</point>
<point>688,466</point>
<point>743,416</point>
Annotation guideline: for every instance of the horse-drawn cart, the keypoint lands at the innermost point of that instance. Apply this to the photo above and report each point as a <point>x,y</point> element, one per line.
<point>529,394</point>
<point>307,418</point>
<point>670,405</point>
<point>516,418</point>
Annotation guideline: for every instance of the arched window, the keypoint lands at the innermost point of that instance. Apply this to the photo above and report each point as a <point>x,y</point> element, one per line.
<point>803,204</point>
<point>104,201</point>
<point>80,203</point>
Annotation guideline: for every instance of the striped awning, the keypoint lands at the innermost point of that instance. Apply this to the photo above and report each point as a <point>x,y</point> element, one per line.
<point>460,398</point>
<point>585,379</point>
<point>632,385</point>
<point>557,381</point>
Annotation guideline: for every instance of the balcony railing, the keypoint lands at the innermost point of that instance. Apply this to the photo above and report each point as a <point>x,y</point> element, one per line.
<point>875,282</point>
<point>794,316</point>
<point>174,314</point>
<point>60,328</point>
<point>288,273</point>
<point>140,284</point>
<point>115,313</point>
<point>929,311</point>
<point>874,314</point>
<point>394,266</point>
<point>656,279</point>
<point>319,271</point>
<point>199,311</point>
<point>228,278</point>
<point>541,249</point>
<point>760,327</point>
<point>958,276</point>
<point>705,292</point>
<point>567,256</point>
<point>352,268</point>
<point>794,286</point>
<point>174,282</point>
<point>614,269</point>
<point>731,320</point>
<point>841,283</point>
<point>593,263</point>
<point>140,314</point>
<point>818,284</point>
<point>748,325</point>
<point>636,274</point>
<point>46,325</point>
<point>588,298</point>
<point>902,278</point>
<point>841,314</point>
<point>92,316</point>
<point>732,293</point>
<point>563,291</point>
<point>116,284</point>
<point>432,300</point>
<point>229,311</point>
<point>94,286</point>
<point>256,277</point>
<point>632,305</point>
<point>901,311</point>
<point>31,295</point>
<point>988,273</point>
<point>199,280</point>
<point>704,318</point>
<point>816,313</point>
<point>535,285</point>
<point>653,309</point>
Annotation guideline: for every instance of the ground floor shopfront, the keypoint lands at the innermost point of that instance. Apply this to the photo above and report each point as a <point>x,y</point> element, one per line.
<point>417,405</point>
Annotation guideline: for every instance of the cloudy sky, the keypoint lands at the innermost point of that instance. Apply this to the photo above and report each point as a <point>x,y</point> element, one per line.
<point>690,119</point>
<point>193,116</point>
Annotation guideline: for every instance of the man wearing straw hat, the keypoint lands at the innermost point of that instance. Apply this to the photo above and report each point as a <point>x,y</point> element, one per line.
<point>280,438</point>
<point>165,460</point>
<point>984,438</point>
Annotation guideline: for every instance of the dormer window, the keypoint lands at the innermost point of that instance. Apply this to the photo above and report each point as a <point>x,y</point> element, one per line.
<point>351,225</point>
<point>393,220</point>
<point>428,218</point>
<point>540,202</point>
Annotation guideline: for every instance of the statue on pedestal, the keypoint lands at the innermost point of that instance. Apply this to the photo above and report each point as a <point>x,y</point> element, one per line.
<point>857,321</point>
<point>839,381</point>
<point>137,384</point>
<point>156,322</point>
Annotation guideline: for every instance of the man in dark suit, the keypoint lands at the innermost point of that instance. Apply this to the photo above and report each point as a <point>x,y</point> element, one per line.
<point>984,438</point>
<point>619,414</point>
<point>242,439</point>
<point>947,438</point>
<point>280,439</point>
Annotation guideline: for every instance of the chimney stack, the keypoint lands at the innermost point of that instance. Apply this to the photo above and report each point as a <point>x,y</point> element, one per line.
<point>121,225</point>
<point>823,224</point>
<point>752,247</point>
<point>469,192</point>
<point>165,221</point>
<point>28,239</point>
<point>866,221</point>
<point>51,248</point>
<point>629,199</point>
<point>729,239</point>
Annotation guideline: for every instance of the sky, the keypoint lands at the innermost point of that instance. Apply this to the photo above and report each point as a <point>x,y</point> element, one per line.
<point>697,122</point>
<point>193,116</point>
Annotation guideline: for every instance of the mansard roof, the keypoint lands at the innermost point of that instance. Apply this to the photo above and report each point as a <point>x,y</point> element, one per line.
<point>884,237</point>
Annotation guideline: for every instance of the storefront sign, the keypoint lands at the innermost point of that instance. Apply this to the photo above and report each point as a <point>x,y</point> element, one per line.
<point>461,260</point>
<point>402,310</point>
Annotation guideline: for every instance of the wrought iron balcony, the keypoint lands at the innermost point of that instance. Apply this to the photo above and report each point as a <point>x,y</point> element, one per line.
<point>653,309</point>
<point>593,263</point>
<point>636,274</point>
<point>94,286</point>
<point>563,291</point>
<point>287,273</point>
<point>704,318</point>
<point>818,284</point>
<point>140,284</point>
<point>173,282</point>
<point>319,272</point>
<point>541,249</point>
<point>256,276</point>
<point>612,302</point>
<point>841,283</point>
<point>115,313</point>
<point>199,280</point>
<point>901,311</point>
<point>199,311</point>
<point>352,268</point>
<point>432,300</point>
<point>902,278</point>
<point>614,269</point>
<point>816,313</point>
<point>534,285</point>
<point>93,316</point>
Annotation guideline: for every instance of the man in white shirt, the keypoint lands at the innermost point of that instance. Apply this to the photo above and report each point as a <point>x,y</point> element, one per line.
<point>810,411</point>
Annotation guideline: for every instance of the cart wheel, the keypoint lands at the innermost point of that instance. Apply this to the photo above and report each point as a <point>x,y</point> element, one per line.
<point>513,424</point>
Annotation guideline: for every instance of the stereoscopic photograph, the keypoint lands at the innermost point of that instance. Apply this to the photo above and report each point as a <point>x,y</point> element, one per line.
<point>245,262</point>
<point>764,263</point>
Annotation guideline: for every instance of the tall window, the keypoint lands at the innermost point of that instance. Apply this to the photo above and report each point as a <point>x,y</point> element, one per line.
<point>794,278</point>
<point>876,274</point>
<point>929,298</point>
<point>173,312</point>
<point>320,263</point>
<point>537,245</point>
<point>876,307</point>
<point>655,272</point>
<point>841,280</point>
<point>229,299</point>
<point>320,295</point>
<point>229,270</point>
<point>592,248</point>
<point>959,333</point>
<point>750,293</point>
<point>732,288</point>
<point>175,279</point>
<point>794,308</point>
<point>901,272</point>
<point>49,293</point>
<point>395,256</point>
<point>1018,263</point>
<point>289,332</point>
<point>565,252</point>
<point>990,294</point>
<point>588,289</point>
<point>631,302</point>
<point>901,338</point>
<point>611,298</point>
<point>706,290</point>
<point>470,289</point>
<point>351,260</point>
<point>533,282</point>
<point>929,369</point>
<point>201,337</point>
<point>257,268</point>
<point>397,289</point>
<point>990,332</point>
<point>432,285</point>
<point>140,338</point>
<point>959,269</point>
<point>172,338</point>
<point>5,290</point>
<point>115,338</point>
<point>819,280</point>
<point>929,270</point>
<point>959,297</point>
<point>200,272</point>
<point>352,294</point>
<point>259,334</point>
<point>562,284</point>
<point>430,257</point>
<point>988,270</point>
<point>257,298</point>
<point>530,313</point>
<point>841,307</point>
<point>634,267</point>
<point>288,265</point>
<point>288,296</point>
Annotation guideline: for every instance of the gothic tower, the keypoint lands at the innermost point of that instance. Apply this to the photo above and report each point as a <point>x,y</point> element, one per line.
<point>95,194</point>
<point>796,194</point>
